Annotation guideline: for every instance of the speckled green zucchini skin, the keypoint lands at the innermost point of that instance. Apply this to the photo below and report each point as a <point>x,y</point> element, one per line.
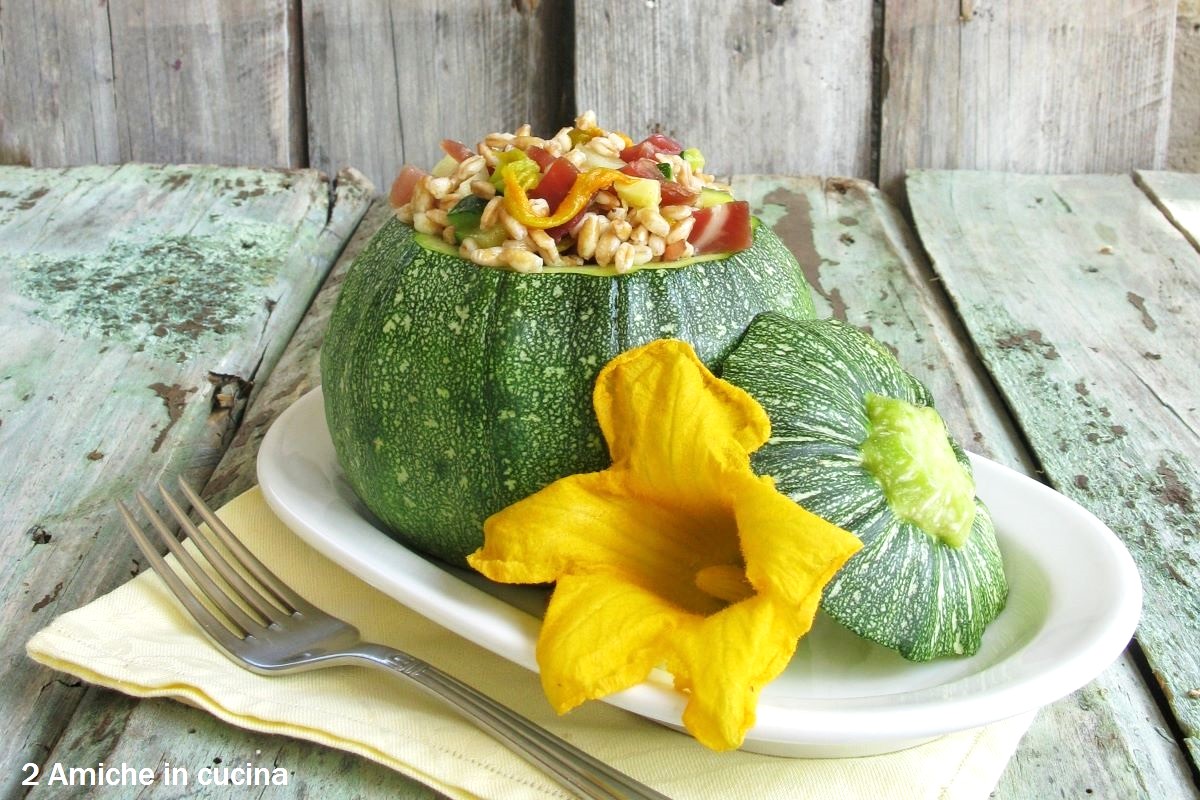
<point>905,589</point>
<point>452,391</point>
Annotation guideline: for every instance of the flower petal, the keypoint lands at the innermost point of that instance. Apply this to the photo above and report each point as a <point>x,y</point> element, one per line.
<point>601,636</point>
<point>790,552</point>
<point>724,660</point>
<point>673,424</point>
<point>677,555</point>
<point>591,523</point>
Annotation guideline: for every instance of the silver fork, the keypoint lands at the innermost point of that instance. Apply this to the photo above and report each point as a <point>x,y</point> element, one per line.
<point>269,629</point>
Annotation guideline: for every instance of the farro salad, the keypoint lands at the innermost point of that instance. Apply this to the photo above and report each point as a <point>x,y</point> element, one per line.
<point>584,196</point>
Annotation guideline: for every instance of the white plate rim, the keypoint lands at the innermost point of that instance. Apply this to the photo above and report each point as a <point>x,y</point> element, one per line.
<point>784,726</point>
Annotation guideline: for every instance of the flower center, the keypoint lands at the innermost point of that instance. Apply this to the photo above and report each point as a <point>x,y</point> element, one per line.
<point>725,582</point>
<point>909,453</point>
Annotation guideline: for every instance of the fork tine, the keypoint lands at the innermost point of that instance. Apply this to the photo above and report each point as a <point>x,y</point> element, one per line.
<point>282,593</point>
<point>205,618</point>
<point>208,587</point>
<point>270,612</point>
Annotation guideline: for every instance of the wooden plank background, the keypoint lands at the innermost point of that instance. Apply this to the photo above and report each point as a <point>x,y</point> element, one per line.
<point>859,88</point>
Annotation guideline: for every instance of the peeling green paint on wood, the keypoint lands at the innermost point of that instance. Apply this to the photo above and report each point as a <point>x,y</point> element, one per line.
<point>873,273</point>
<point>124,290</point>
<point>1106,400</point>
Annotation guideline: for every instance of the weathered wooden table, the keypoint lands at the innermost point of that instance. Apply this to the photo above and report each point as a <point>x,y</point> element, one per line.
<point>155,320</point>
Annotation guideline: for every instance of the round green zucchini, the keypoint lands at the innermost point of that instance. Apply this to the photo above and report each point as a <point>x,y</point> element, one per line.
<point>855,440</point>
<point>452,391</point>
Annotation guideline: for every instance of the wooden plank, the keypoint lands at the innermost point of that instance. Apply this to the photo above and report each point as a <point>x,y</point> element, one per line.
<point>112,728</point>
<point>387,80</point>
<point>1023,85</point>
<point>1183,147</point>
<point>138,305</point>
<point>214,82</point>
<point>866,267</point>
<point>1105,396</point>
<point>57,104</point>
<point>1177,195</point>
<point>758,87</point>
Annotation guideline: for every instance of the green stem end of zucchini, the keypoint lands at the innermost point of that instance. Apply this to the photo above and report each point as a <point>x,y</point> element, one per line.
<point>908,451</point>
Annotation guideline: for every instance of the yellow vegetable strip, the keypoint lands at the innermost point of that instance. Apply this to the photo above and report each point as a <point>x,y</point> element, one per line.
<point>516,201</point>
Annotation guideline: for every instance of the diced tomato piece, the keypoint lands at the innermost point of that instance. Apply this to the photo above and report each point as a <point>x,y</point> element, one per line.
<point>643,168</point>
<point>556,183</point>
<point>559,231</point>
<point>540,157</point>
<point>722,228</point>
<point>402,187</point>
<point>675,194</point>
<point>457,150</point>
<point>554,186</point>
<point>654,143</point>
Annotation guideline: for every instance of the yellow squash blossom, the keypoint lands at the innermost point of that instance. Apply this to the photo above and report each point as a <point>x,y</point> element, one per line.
<point>677,555</point>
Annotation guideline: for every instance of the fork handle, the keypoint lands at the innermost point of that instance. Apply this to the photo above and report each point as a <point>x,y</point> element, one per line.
<point>588,776</point>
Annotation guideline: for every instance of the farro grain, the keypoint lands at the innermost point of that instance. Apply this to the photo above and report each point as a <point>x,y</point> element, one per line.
<point>468,168</point>
<point>562,140</point>
<point>586,120</point>
<point>421,199</point>
<point>606,199</point>
<point>491,212</point>
<point>545,245</point>
<point>438,187</point>
<point>589,233</point>
<point>499,141</point>
<point>654,221</point>
<point>487,256</point>
<point>681,231</point>
<point>640,235</point>
<point>513,226</point>
<point>603,147</point>
<point>404,213</point>
<point>523,260</point>
<point>623,258</point>
<point>448,234</point>
<point>483,189</point>
<point>675,213</point>
<point>423,224</point>
<point>622,229</point>
<point>488,154</point>
<point>657,245</point>
<point>606,248</point>
<point>642,254</point>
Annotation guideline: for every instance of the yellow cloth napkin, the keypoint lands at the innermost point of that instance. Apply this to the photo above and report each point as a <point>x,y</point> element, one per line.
<point>138,640</point>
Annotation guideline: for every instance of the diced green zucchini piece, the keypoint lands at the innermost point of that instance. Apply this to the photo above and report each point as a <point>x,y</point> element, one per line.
<point>466,212</point>
<point>444,168</point>
<point>465,217</point>
<point>713,197</point>
<point>693,157</point>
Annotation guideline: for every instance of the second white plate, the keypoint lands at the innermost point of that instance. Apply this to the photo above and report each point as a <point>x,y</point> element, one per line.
<point>840,695</point>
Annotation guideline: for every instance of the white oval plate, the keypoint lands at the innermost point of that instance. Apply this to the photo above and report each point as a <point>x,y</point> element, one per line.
<point>1074,601</point>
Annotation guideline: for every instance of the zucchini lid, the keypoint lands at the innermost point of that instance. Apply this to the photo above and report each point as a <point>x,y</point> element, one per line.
<point>855,439</point>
